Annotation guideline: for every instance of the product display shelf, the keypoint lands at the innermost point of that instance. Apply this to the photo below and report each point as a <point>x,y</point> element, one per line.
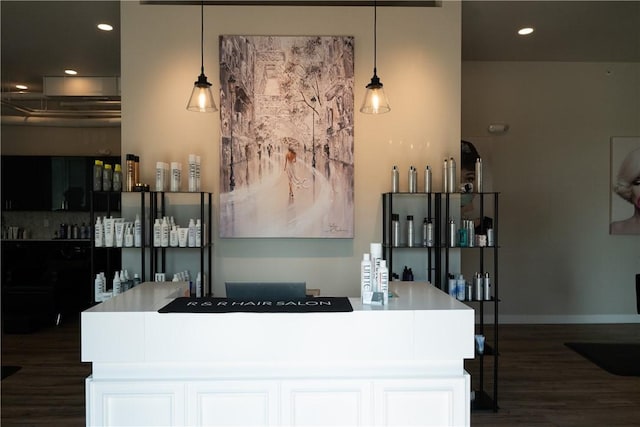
<point>426,202</point>
<point>158,259</point>
<point>107,259</point>
<point>438,208</point>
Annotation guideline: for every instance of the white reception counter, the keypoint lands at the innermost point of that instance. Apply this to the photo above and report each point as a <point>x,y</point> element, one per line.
<point>400,364</point>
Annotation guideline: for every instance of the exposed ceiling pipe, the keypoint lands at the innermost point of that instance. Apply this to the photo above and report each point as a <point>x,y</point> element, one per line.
<point>60,121</point>
<point>61,113</point>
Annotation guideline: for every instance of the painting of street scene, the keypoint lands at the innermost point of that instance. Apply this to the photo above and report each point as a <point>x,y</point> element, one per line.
<point>286,152</point>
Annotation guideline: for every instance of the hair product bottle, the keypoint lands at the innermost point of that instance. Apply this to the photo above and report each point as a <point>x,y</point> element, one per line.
<point>395,180</point>
<point>383,281</point>
<point>366,288</point>
<point>410,231</point>
<point>395,230</point>
<point>451,175</point>
<point>427,180</point>
<point>479,175</point>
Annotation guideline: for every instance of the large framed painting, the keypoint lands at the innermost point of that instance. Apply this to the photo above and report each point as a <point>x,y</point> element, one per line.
<point>625,185</point>
<point>286,152</point>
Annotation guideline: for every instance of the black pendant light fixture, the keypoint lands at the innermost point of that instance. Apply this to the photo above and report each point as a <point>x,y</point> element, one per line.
<point>201,100</point>
<point>375,101</point>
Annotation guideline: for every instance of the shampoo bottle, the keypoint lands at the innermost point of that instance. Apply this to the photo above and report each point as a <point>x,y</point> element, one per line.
<point>198,233</point>
<point>191,236</point>
<point>157,233</point>
<point>199,285</point>
<point>366,288</point>
<point>99,234</point>
<point>117,285</point>
<point>137,232</point>
<point>383,281</point>
<point>164,233</point>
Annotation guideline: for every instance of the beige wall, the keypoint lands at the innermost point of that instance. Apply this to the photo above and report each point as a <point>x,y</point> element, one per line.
<point>558,261</point>
<point>418,62</point>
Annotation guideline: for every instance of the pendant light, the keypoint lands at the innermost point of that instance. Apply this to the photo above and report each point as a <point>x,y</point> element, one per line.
<point>201,100</point>
<point>375,101</point>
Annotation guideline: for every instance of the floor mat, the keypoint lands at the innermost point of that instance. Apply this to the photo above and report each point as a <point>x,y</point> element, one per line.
<point>615,358</point>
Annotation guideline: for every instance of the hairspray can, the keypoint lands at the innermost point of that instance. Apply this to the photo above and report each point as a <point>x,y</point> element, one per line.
<point>395,230</point>
<point>412,180</point>
<point>445,176</point>
<point>479,175</point>
<point>453,234</point>
<point>477,284</point>
<point>395,180</point>
<point>487,287</point>
<point>451,176</point>
<point>427,179</point>
<point>410,231</point>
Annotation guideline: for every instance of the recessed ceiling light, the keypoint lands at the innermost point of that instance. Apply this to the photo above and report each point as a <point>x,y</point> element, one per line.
<point>525,31</point>
<point>71,72</point>
<point>21,87</point>
<point>105,27</point>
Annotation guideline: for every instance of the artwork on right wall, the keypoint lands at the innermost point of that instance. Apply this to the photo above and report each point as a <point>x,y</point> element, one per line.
<point>625,185</point>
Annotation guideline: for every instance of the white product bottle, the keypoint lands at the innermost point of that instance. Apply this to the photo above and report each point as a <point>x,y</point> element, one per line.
<point>198,233</point>
<point>453,283</point>
<point>136,279</point>
<point>366,277</point>
<point>199,285</point>
<point>176,176</point>
<point>191,236</point>
<point>383,281</point>
<point>137,232</point>
<point>117,284</point>
<point>164,233</point>
<point>376,255</point>
<point>128,236</point>
<point>98,288</point>
<point>461,288</point>
<point>160,178</point>
<point>198,164</point>
<point>173,237</point>
<point>99,233</point>
<point>192,173</point>
<point>157,233</point>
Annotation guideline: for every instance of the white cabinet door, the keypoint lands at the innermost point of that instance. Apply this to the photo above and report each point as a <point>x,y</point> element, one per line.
<point>422,402</point>
<point>232,403</point>
<point>326,403</point>
<point>128,403</point>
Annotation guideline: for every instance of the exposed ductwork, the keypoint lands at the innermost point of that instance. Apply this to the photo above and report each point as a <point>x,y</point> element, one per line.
<point>66,102</point>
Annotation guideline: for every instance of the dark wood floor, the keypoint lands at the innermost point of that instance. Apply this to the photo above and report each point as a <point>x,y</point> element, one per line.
<point>542,383</point>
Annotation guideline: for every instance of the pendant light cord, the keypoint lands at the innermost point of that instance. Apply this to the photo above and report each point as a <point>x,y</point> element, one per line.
<point>375,35</point>
<point>202,36</point>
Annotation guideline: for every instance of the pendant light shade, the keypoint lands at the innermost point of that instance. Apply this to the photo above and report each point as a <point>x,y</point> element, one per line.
<point>201,99</point>
<point>375,100</point>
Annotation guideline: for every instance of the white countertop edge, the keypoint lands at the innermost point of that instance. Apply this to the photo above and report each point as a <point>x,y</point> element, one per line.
<point>271,371</point>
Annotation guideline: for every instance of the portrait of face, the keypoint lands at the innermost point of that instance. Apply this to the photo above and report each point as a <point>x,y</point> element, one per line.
<point>635,192</point>
<point>626,184</point>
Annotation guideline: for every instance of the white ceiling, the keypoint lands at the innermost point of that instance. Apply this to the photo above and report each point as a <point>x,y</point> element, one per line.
<point>42,38</point>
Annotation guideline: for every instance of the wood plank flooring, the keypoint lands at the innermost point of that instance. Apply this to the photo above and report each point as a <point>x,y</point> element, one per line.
<point>542,383</point>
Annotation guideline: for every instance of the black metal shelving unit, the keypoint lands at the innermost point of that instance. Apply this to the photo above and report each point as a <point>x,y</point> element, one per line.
<point>437,208</point>
<point>158,258</point>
